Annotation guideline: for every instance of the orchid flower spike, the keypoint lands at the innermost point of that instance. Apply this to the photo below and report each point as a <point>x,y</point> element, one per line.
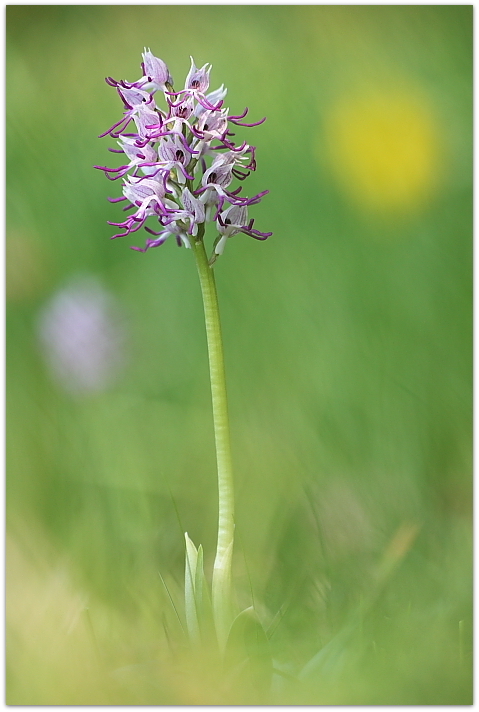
<point>179,160</point>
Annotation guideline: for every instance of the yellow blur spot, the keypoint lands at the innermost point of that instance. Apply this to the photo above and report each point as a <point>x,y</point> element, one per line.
<point>383,149</point>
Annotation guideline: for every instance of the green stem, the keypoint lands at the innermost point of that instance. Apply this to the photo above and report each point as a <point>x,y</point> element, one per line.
<point>221,586</point>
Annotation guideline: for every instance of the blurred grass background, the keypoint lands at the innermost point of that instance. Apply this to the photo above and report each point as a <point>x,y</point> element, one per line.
<point>348,349</point>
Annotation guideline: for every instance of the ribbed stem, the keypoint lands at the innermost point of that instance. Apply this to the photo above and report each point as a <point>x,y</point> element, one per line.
<point>221,587</point>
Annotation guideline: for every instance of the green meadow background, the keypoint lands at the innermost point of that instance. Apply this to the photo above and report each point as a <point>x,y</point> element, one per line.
<point>348,342</point>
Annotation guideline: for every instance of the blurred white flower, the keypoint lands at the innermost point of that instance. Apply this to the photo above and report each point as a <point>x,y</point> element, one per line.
<point>82,333</point>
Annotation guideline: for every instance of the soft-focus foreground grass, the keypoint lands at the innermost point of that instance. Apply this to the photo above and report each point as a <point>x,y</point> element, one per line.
<point>348,349</point>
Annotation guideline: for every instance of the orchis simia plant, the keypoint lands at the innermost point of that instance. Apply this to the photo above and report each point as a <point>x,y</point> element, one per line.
<point>179,163</point>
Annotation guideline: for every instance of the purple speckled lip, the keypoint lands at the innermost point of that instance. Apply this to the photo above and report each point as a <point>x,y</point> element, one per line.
<point>181,161</point>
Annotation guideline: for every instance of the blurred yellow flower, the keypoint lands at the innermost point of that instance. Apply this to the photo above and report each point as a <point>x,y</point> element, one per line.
<point>383,149</point>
